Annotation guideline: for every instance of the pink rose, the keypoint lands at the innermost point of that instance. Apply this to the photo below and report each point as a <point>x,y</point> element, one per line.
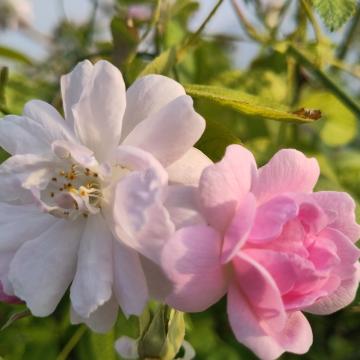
<point>275,247</point>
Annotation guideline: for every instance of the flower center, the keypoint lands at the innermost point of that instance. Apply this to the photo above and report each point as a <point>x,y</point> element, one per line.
<point>73,191</point>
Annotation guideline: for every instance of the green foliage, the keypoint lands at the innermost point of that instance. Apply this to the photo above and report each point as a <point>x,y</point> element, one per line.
<point>339,125</point>
<point>265,106</point>
<point>245,103</point>
<point>335,13</point>
<point>161,64</point>
<point>12,54</point>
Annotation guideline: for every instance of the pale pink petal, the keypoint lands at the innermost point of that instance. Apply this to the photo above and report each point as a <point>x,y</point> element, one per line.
<point>266,342</point>
<point>158,283</point>
<point>53,125</point>
<point>340,298</point>
<point>347,252</point>
<point>140,218</point>
<point>102,320</point>
<point>72,87</point>
<point>288,171</point>
<point>188,169</point>
<point>135,159</point>
<point>271,218</point>
<point>127,347</point>
<point>146,96</point>
<point>33,132</point>
<point>224,185</point>
<point>43,268</point>
<point>312,216</point>
<point>279,265</point>
<point>340,208</point>
<point>92,284</point>
<point>183,207</point>
<point>261,291</point>
<point>247,327</point>
<point>191,259</point>
<point>99,112</point>
<point>239,228</point>
<point>130,286</point>
<point>297,335</point>
<point>21,173</point>
<point>169,133</point>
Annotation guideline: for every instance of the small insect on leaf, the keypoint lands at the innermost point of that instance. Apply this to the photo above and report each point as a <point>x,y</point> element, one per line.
<point>312,114</point>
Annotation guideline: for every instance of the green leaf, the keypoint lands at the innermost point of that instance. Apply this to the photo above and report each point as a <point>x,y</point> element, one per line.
<point>215,140</point>
<point>14,317</point>
<point>4,77</point>
<point>335,13</point>
<point>103,346</point>
<point>161,64</point>
<point>13,54</point>
<point>245,103</point>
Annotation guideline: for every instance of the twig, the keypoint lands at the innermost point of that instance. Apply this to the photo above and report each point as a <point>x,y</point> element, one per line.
<point>193,38</point>
<point>72,343</point>
<point>248,27</point>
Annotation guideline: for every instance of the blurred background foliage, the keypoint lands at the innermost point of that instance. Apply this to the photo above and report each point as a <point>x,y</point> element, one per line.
<point>300,88</point>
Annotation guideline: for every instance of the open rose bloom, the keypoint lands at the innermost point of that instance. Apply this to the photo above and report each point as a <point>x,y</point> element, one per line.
<point>59,221</point>
<point>267,240</point>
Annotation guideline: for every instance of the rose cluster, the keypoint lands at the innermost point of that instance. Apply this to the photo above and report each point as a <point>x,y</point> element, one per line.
<point>114,202</point>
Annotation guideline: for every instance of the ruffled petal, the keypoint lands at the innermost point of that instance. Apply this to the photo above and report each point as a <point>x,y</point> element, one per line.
<point>247,328</point>
<point>264,298</point>
<point>130,286</point>
<point>271,218</point>
<point>191,259</point>
<point>146,96</point>
<point>188,169</point>
<point>32,221</point>
<point>296,335</point>
<point>43,268</point>
<point>33,132</point>
<point>169,133</point>
<point>288,171</point>
<point>98,113</point>
<point>72,87</point>
<point>92,285</point>
<point>158,283</point>
<point>183,207</point>
<point>140,218</point>
<point>101,320</point>
<point>238,231</point>
<point>21,173</point>
<point>340,298</point>
<point>224,185</point>
<point>340,209</point>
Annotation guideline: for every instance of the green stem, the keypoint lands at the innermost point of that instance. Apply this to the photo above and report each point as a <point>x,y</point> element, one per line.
<point>247,26</point>
<point>72,343</point>
<point>193,38</point>
<point>326,80</point>
<point>310,15</point>
<point>350,36</point>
